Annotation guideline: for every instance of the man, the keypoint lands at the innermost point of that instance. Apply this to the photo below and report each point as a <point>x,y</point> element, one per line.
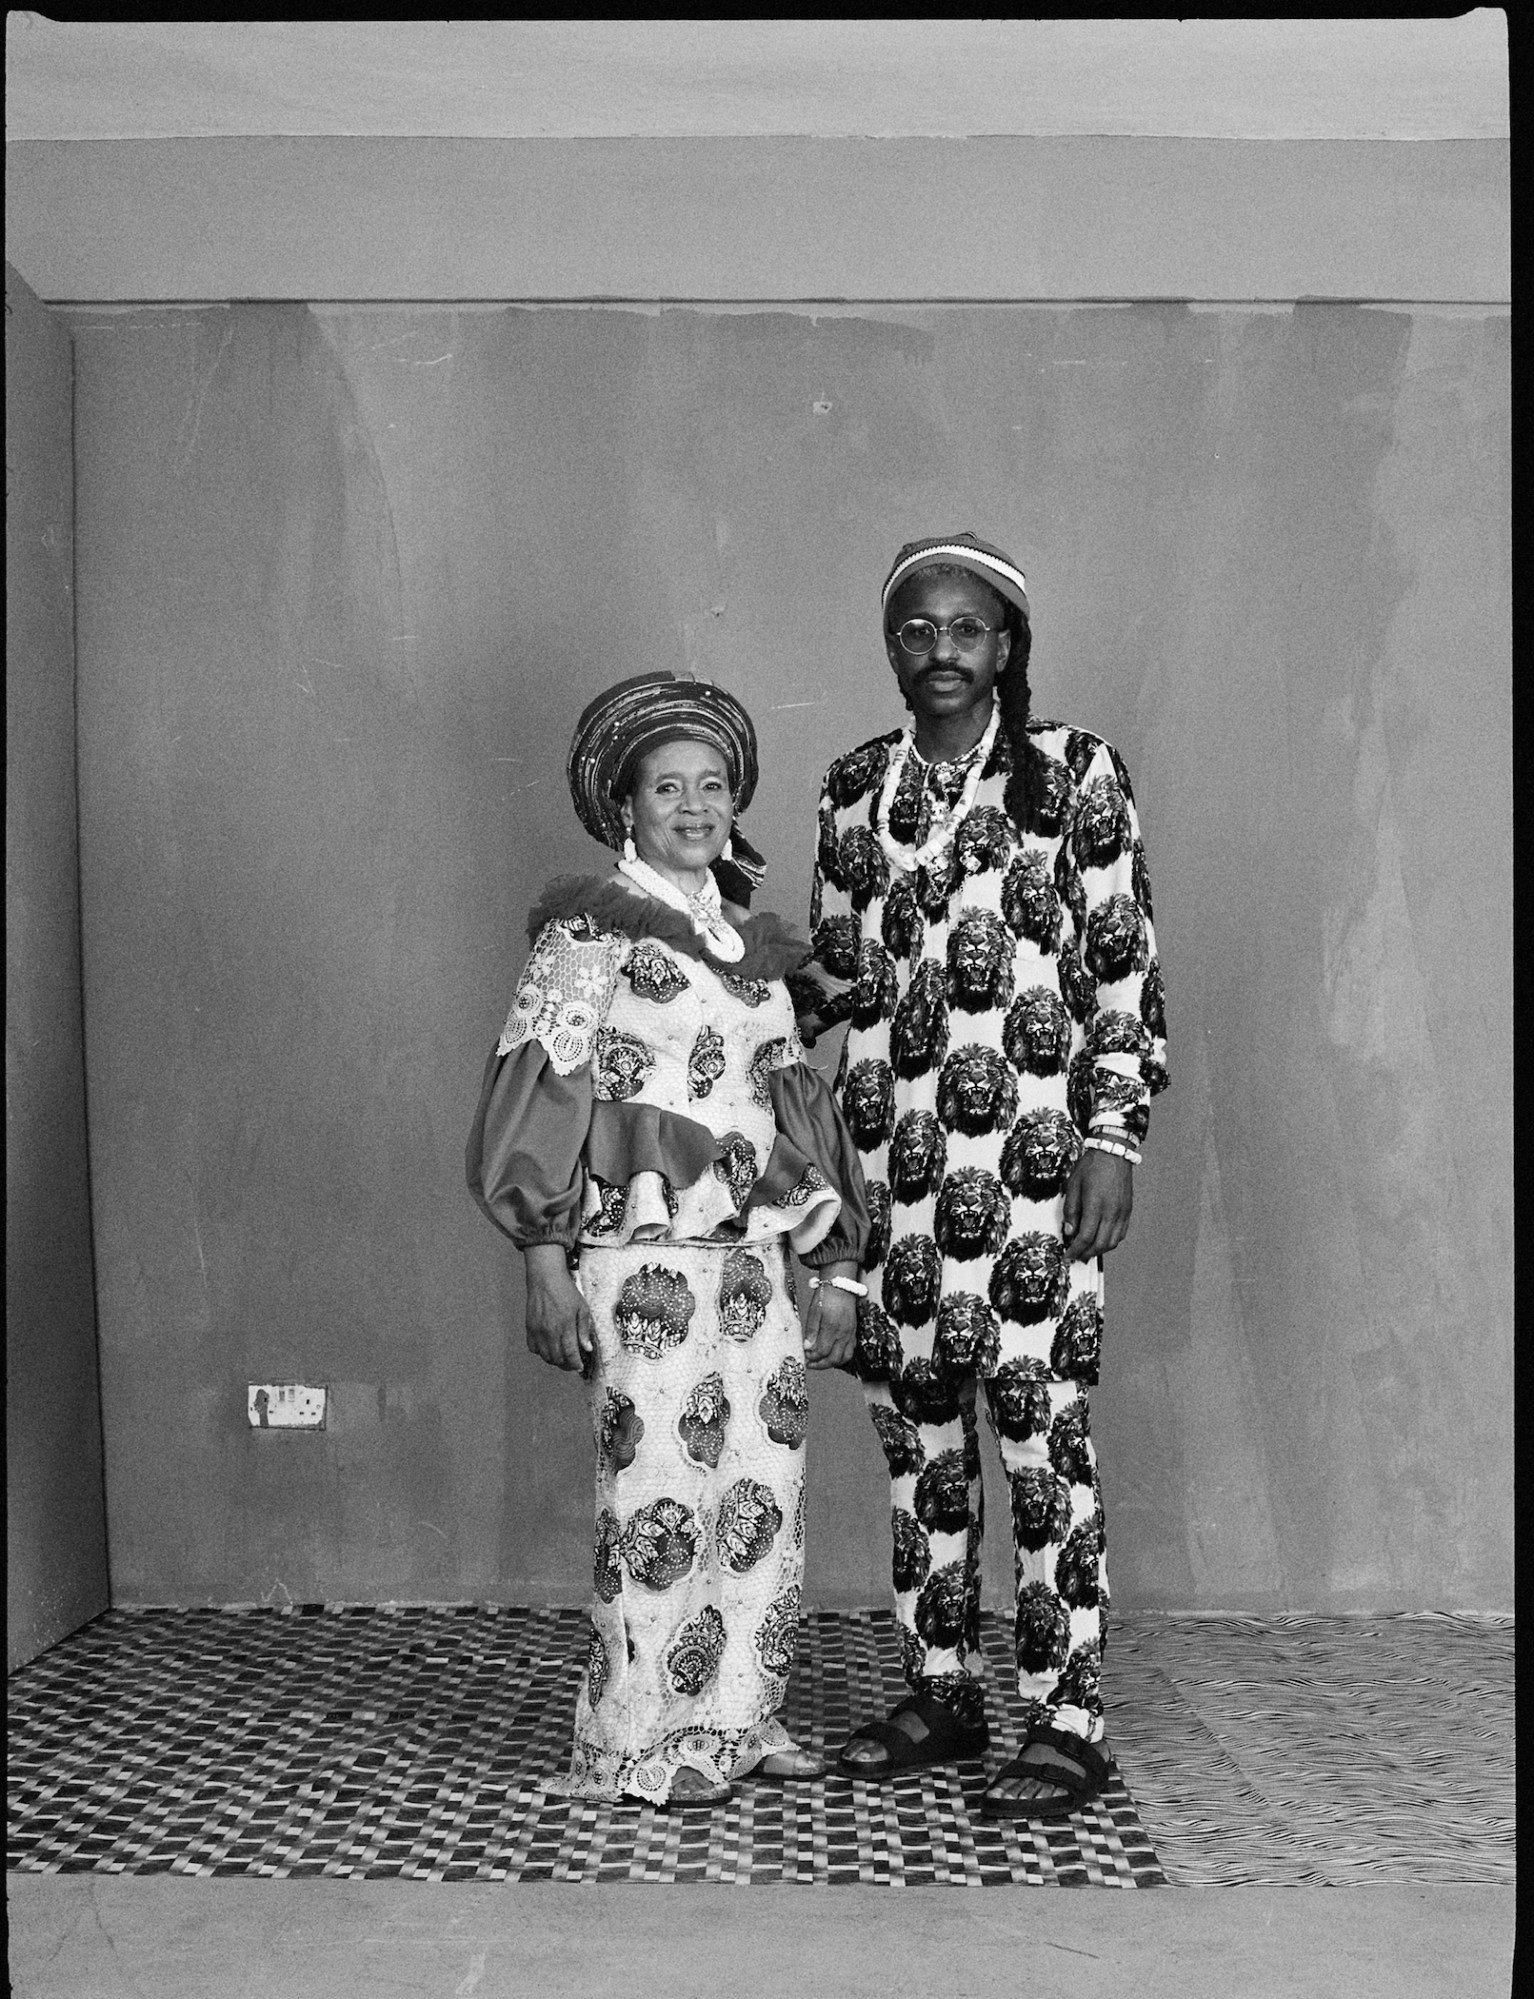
<point>981,917</point>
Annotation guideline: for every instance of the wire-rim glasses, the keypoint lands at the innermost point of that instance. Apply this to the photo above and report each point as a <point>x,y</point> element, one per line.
<point>920,635</point>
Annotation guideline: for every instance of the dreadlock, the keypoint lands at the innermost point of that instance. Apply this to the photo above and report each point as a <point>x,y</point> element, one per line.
<point>1024,795</point>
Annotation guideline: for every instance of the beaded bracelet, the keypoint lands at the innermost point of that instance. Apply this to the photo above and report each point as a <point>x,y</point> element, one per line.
<point>1109,1145</point>
<point>847,1284</point>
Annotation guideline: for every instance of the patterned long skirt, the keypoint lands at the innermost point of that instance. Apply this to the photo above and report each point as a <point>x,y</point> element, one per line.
<point>699,1407</point>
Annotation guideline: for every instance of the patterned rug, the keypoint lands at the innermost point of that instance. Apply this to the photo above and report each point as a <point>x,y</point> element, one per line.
<point>408,1743</point>
<point>1319,1751</point>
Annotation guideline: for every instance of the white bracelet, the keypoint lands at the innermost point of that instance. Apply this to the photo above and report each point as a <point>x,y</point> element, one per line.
<point>1119,1151</point>
<point>847,1284</point>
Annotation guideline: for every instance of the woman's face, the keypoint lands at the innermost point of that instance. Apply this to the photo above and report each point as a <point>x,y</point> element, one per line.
<point>680,810</point>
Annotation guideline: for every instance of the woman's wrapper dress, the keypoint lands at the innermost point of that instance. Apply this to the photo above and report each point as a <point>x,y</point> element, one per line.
<point>651,1111</point>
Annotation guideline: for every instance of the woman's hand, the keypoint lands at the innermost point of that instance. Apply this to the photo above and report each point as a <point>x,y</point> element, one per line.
<point>830,1331</point>
<point>559,1323</point>
<point>1098,1199</point>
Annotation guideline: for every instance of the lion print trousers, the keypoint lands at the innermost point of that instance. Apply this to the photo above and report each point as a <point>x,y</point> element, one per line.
<point>937,1506</point>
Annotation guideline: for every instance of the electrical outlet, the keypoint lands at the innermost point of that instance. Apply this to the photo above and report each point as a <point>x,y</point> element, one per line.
<point>286,1405</point>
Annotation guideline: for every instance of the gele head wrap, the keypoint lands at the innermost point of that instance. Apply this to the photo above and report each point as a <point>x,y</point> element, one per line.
<point>964,551</point>
<point>636,716</point>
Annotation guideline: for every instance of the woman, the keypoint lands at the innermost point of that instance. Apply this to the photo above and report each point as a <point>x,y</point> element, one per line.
<point>648,1122</point>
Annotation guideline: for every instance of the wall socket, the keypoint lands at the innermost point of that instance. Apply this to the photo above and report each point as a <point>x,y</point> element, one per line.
<point>286,1405</point>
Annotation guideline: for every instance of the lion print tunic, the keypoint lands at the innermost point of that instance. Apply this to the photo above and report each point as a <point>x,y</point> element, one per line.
<point>1001,1004</point>
<point>651,1112</point>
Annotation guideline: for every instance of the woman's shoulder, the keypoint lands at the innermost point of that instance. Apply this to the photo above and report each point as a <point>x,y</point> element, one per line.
<point>592,907</point>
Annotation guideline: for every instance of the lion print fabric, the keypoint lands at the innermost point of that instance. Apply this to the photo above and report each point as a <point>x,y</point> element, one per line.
<point>699,1409</point>
<point>1001,1004</point>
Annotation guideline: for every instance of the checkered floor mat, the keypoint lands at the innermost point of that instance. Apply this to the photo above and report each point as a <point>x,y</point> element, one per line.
<point>409,1743</point>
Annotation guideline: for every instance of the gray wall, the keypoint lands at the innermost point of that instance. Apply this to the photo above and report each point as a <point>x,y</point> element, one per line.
<point>346,577</point>
<point>55,1525</point>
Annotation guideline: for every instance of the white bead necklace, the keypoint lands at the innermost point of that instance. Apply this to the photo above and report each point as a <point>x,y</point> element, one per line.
<point>704,911</point>
<point>905,858</point>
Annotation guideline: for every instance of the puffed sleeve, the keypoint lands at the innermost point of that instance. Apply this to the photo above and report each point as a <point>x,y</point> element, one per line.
<point>1126,1038</point>
<point>821,989</point>
<point>808,1117</point>
<point>523,1159</point>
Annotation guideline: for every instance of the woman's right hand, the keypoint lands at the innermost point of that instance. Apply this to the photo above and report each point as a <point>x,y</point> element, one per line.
<point>560,1329</point>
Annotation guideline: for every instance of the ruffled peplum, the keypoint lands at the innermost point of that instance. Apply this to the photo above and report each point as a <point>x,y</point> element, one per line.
<point>655,1176</point>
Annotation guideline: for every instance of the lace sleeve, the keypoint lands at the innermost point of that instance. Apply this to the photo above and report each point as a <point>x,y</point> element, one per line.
<point>564,994</point>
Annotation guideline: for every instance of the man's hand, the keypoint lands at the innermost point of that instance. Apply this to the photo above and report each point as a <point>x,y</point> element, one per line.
<point>559,1323</point>
<point>830,1331</point>
<point>1099,1197</point>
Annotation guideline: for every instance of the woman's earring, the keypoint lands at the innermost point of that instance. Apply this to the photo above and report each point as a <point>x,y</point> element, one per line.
<point>727,852</point>
<point>630,851</point>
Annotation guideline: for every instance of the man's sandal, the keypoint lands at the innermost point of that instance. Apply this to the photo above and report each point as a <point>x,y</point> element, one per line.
<point>947,1741</point>
<point>1070,1764</point>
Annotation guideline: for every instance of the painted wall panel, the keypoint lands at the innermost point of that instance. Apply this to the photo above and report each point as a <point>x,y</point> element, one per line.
<point>761,218</point>
<point>55,1527</point>
<point>347,577</point>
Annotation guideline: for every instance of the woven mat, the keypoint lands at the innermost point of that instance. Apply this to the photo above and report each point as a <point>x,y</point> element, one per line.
<point>409,1743</point>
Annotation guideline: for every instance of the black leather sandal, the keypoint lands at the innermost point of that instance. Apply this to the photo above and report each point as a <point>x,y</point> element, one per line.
<point>947,1741</point>
<point>1071,1764</point>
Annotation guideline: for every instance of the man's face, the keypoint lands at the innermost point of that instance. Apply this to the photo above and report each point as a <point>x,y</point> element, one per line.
<point>946,682</point>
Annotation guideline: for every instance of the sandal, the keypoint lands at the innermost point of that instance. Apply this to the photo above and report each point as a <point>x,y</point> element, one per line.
<point>701,1797</point>
<point>1072,1764</point>
<point>947,1741</point>
<point>792,1765</point>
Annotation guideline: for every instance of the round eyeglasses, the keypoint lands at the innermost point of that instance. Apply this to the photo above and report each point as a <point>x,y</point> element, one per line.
<point>920,635</point>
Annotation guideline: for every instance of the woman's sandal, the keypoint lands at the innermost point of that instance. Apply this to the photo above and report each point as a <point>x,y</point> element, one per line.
<point>947,1741</point>
<point>791,1766</point>
<point>1071,1764</point>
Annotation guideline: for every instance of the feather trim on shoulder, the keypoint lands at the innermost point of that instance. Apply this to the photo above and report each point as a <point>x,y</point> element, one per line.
<point>773,950</point>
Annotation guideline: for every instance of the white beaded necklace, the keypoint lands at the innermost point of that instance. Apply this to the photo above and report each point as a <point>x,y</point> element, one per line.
<point>902,857</point>
<point>704,911</point>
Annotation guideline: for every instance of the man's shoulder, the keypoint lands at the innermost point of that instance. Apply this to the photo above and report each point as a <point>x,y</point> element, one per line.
<point>858,770</point>
<point>1077,748</point>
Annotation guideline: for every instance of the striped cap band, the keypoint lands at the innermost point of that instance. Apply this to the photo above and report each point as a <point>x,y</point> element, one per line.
<point>968,552</point>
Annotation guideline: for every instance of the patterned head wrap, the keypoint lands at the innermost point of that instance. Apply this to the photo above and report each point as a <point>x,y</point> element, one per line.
<point>964,551</point>
<point>636,716</point>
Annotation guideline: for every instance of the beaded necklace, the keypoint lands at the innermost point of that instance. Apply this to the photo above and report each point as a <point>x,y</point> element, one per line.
<point>704,911</point>
<point>947,824</point>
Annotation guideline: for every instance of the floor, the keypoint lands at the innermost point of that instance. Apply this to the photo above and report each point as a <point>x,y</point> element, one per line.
<point>1333,1797</point>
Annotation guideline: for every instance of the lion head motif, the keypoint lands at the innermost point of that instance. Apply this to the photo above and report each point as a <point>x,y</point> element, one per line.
<point>941,1606</point>
<point>1036,1034</point>
<point>1078,1567</point>
<point>918,1153</point>
<point>919,1028</point>
<point>1057,788</point>
<point>877,1355</point>
<point>973,1214</point>
<point>864,870</point>
<point>876,991</point>
<point>1070,1451</point>
<point>984,841</point>
<point>1041,1506</point>
<point>942,1494</point>
<point>976,1091</point>
<point>1075,1353</point>
<point>853,776</point>
<point>1040,1152</point>
<point>1029,1280</point>
<point>868,1103</point>
<point>835,943</point>
<point>1080,1685</point>
<point>1100,831</point>
<point>911,1273</point>
<point>968,1339</point>
<point>913,1551</point>
<point>901,923</point>
<point>1019,1398</point>
<point>1042,1629</point>
<point>1029,901</point>
<point>898,1439</point>
<point>980,974</point>
<point>924,1393</point>
<point>1115,943</point>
